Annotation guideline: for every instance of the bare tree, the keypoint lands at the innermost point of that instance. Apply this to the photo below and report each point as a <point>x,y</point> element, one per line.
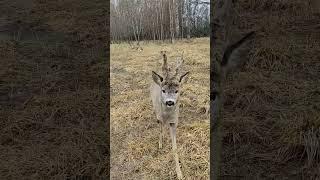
<point>172,13</point>
<point>158,20</point>
<point>188,18</point>
<point>180,17</point>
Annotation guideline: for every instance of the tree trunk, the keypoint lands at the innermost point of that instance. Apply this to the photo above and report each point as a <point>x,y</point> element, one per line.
<point>179,18</point>
<point>154,32</point>
<point>161,20</point>
<point>194,25</point>
<point>188,18</point>
<point>181,13</point>
<point>172,18</point>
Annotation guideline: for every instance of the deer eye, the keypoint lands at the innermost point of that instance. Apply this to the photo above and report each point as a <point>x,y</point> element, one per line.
<point>176,91</point>
<point>163,91</point>
<point>213,95</point>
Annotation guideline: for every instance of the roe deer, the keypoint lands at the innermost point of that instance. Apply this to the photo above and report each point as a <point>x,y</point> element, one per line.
<point>165,91</point>
<point>231,60</point>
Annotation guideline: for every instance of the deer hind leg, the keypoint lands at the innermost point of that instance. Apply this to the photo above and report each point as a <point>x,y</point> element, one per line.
<point>174,149</point>
<point>161,134</point>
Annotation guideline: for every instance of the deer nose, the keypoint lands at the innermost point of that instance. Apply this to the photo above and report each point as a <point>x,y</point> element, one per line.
<point>169,103</point>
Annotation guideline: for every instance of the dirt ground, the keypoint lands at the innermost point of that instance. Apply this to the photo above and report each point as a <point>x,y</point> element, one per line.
<point>134,129</point>
<point>272,118</point>
<point>53,91</point>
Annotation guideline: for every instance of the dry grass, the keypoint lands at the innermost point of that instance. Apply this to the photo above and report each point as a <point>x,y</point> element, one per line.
<point>52,94</point>
<point>134,130</point>
<point>271,117</point>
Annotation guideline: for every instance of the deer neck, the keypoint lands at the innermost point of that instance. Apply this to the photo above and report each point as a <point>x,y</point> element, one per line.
<point>170,112</point>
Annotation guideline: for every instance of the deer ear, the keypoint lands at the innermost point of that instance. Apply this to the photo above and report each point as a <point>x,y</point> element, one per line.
<point>183,77</point>
<point>156,78</point>
<point>235,55</point>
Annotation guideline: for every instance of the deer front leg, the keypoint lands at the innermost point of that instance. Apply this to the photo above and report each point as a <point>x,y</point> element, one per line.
<point>160,134</point>
<point>174,149</point>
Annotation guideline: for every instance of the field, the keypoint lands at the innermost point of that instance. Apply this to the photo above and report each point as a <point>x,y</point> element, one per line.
<point>133,126</point>
<point>271,116</point>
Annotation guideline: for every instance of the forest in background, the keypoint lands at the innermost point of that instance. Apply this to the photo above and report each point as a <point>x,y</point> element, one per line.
<point>137,20</point>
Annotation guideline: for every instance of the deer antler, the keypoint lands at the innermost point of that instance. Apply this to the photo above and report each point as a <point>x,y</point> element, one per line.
<point>180,61</point>
<point>165,68</point>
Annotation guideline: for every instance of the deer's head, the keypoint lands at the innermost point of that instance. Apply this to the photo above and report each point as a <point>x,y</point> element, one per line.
<point>231,61</point>
<point>170,83</point>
